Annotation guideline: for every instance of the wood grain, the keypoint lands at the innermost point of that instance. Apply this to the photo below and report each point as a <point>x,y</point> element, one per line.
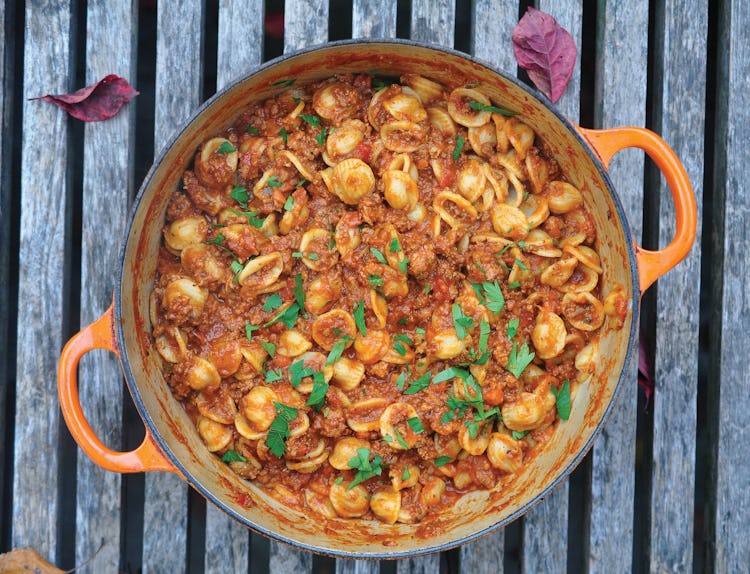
<point>240,41</point>
<point>545,532</point>
<point>178,93</point>
<point>5,223</point>
<point>227,541</point>
<point>357,566</point>
<point>621,72</point>
<point>41,277</point>
<point>374,19</point>
<point>429,564</point>
<point>305,23</point>
<point>732,503</point>
<point>107,183</point>
<point>681,31</point>
<point>433,21</point>
<point>283,559</point>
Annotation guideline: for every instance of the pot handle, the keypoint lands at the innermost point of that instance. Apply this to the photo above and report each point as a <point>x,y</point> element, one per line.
<point>654,264</point>
<point>100,335</point>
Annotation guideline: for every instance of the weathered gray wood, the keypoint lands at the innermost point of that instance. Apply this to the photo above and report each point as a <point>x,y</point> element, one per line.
<point>107,182</point>
<point>681,59</point>
<point>41,277</point>
<point>433,21</point>
<point>492,26</point>
<point>429,564</point>
<point>621,72</point>
<point>5,222</point>
<point>372,19</point>
<point>178,93</point>
<point>357,566</point>
<point>305,23</point>
<point>545,532</point>
<point>240,45</point>
<point>732,501</point>
<point>283,559</point>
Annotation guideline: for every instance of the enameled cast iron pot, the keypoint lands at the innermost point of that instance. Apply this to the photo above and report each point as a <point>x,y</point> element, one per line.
<point>171,442</point>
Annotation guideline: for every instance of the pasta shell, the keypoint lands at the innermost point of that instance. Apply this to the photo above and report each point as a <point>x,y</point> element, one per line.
<point>395,429</point>
<point>364,415</point>
<point>583,311</point>
<point>471,180</point>
<point>400,190</point>
<point>509,222</point>
<point>349,502</point>
<point>183,232</point>
<point>402,136</point>
<point>454,209</point>
<point>386,505</point>
<point>262,271</point>
<point>504,452</point>
<point>441,120</point>
<point>548,335</point>
<point>563,197</point>
<point>345,450</point>
<point>405,107</point>
<point>462,113</point>
<point>332,327</point>
<point>426,90</point>
<point>351,180</point>
<point>216,436</point>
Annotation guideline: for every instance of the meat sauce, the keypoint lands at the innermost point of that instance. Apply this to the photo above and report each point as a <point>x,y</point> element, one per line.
<point>371,299</point>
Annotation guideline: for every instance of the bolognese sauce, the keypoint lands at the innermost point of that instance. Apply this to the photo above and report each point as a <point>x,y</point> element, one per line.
<point>372,298</point>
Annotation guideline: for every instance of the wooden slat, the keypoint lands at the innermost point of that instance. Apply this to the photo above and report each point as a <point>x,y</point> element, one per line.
<point>433,21</point>
<point>429,564</point>
<point>107,181</point>
<point>227,541</point>
<point>5,223</point>
<point>681,52</point>
<point>545,527</point>
<point>240,45</point>
<point>41,277</point>
<point>491,22</point>
<point>621,72</point>
<point>357,566</point>
<point>374,19</point>
<point>305,24</point>
<point>732,502</point>
<point>178,93</point>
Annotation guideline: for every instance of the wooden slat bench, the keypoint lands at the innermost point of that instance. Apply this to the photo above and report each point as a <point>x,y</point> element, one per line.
<point>666,487</point>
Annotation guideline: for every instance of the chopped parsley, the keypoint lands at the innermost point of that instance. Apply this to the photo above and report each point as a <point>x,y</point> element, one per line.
<point>240,195</point>
<point>420,331</point>
<point>519,435</point>
<point>378,255</point>
<point>298,290</point>
<point>252,217</point>
<point>562,400</point>
<point>274,375</point>
<point>321,137</point>
<point>400,349</point>
<point>512,328</point>
<point>461,322</point>
<point>249,331</point>
<point>218,240</point>
<point>236,267</point>
<point>313,120</point>
<point>479,106</point>
<point>318,395</point>
<point>269,347</point>
<point>365,467</point>
<point>298,371</point>
<point>359,317</point>
<point>419,385</point>
<point>375,280</point>
<point>415,424</point>
<point>394,246</point>
<point>273,181</point>
<point>337,350</point>
<point>284,83</point>
<point>460,142</point>
<point>521,264</point>
<point>226,148</point>
<point>284,134</point>
<point>401,381</point>
<point>400,439</point>
<point>300,255</point>
<point>251,130</point>
<point>233,456</point>
<point>519,359</point>
<point>442,460</point>
<point>514,285</point>
<point>278,432</point>
<point>287,316</point>
<point>406,475</point>
<point>403,265</point>
<point>272,303</point>
<point>289,203</point>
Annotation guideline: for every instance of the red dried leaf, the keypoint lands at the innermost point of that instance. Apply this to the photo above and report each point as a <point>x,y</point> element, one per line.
<point>546,51</point>
<point>96,102</point>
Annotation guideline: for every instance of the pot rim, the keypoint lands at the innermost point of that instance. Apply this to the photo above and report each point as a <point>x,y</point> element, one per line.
<point>386,555</point>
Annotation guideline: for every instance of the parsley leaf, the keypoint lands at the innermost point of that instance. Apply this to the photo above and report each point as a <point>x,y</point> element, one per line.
<point>278,432</point>
<point>400,439</point>
<point>313,120</point>
<point>338,349</point>
<point>251,130</point>
<point>415,424</point>
<point>394,246</point>
<point>284,83</point>
<point>461,322</point>
<point>287,316</point>
<point>273,375</point>
<point>233,456</point>
<point>318,395</point>
<point>236,267</point>
<point>404,338</point>
<point>273,302</point>
<point>359,317</point>
<point>512,328</point>
<point>427,288</point>
<point>284,134</point>
<point>321,137</point>
<point>406,475</point>
<point>519,359</point>
<point>299,292</point>
<point>240,195</point>
<point>249,331</point>
<point>442,460</point>
<point>273,181</point>
<point>218,240</point>
<point>375,280</point>
<point>289,203</point>
<point>403,265</point>
<point>450,373</point>
<point>226,148</point>
<point>562,400</point>
<point>401,381</point>
<point>420,331</point>
<point>269,347</point>
<point>400,349</point>
<point>514,285</point>
<point>486,108</point>
<point>365,467</point>
<point>298,371</point>
<point>378,255</point>
<point>252,217</point>
<point>460,142</point>
<point>521,264</point>
<point>419,385</point>
<point>495,300</point>
<point>519,435</point>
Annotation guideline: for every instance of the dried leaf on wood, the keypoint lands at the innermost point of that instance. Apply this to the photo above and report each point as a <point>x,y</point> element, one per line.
<point>25,561</point>
<point>546,51</point>
<point>96,102</point>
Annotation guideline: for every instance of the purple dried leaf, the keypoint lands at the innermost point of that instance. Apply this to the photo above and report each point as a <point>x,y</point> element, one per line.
<point>546,51</point>
<point>96,102</point>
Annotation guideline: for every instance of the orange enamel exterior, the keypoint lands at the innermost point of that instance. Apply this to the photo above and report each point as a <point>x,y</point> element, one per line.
<point>99,335</point>
<point>654,264</point>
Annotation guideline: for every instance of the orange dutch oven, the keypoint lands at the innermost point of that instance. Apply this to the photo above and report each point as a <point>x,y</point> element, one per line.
<point>172,443</point>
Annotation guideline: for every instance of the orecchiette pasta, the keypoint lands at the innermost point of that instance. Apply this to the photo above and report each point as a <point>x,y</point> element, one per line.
<point>369,294</point>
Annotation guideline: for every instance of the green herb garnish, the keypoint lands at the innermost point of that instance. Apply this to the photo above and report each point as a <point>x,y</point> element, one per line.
<point>365,467</point>
<point>359,317</point>
<point>226,148</point>
<point>278,432</point>
<point>562,400</point>
<point>479,106</point>
<point>519,359</point>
